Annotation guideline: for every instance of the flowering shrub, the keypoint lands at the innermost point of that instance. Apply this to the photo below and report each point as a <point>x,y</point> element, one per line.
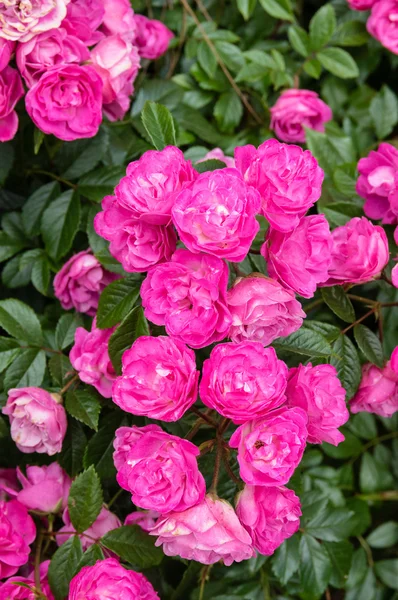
<point>199,303</point>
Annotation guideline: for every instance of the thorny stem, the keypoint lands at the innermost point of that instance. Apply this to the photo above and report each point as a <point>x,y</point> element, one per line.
<point>203,416</point>
<point>204,576</point>
<point>53,176</point>
<point>68,385</point>
<point>358,321</point>
<point>228,467</point>
<point>89,537</point>
<point>366,301</point>
<point>217,464</point>
<point>38,560</point>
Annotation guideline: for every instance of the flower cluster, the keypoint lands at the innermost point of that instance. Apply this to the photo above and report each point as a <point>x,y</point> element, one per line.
<point>78,61</point>
<point>382,22</point>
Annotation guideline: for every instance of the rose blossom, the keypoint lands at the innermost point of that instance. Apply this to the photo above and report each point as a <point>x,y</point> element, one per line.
<point>216,214</point>
<point>383,24</point>
<point>319,392</point>
<point>146,519</point>
<point>262,310</point>
<point>300,259</point>
<point>376,183</point>
<point>296,109</point>
<point>270,449</point>
<point>159,379</point>
<point>38,421</point>
<point>46,50</point>
<point>20,21</point>
<point>17,531</point>
<point>10,591</point>
<point>361,4</point>
<point>6,50</point>
<point>288,178</point>
<point>89,356</point>
<point>394,275</point>
<point>188,296</point>
<point>270,515</point>
<point>8,483</point>
<point>152,37</point>
<point>136,244</point>
<point>118,18</point>
<point>378,390</point>
<point>151,184</point>
<point>207,533</point>
<point>158,469</point>
<point>67,102</point>
<point>218,154</point>
<point>83,19</point>
<point>44,489</point>
<point>11,90</point>
<point>243,381</point>
<point>359,252</point>
<point>80,282</point>
<point>106,521</point>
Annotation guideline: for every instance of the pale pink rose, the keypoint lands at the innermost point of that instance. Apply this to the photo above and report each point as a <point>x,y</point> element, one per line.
<point>296,109</point>
<point>152,37</point>
<point>270,449</point>
<point>67,102</point>
<point>243,381</point>
<point>11,90</point>
<point>188,296</point>
<point>146,519</point>
<point>158,469</point>
<point>288,178</point>
<point>118,18</point>
<point>376,183</point>
<point>89,356</point>
<point>218,154</point>
<point>9,485</point>
<point>359,252</point>
<point>262,310</point>
<point>46,50</point>
<point>361,4</point>
<point>318,391</point>
<point>378,390</point>
<point>10,591</point>
<point>44,489</point>
<point>300,259</point>
<point>269,514</point>
<point>83,19</point>
<point>108,579</point>
<point>394,276</point>
<point>136,244</point>
<point>159,379</point>
<point>383,24</point>
<point>105,522</point>
<point>20,21</point>
<point>152,183</point>
<point>6,49</point>
<point>216,214</point>
<point>38,420</point>
<point>80,282</point>
<point>17,532</point>
<point>207,533</point>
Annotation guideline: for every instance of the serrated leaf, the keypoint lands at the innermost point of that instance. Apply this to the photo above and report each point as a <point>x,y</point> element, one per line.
<point>41,274</point>
<point>384,536</point>
<point>338,301</point>
<point>76,158</point>
<point>333,525</point>
<point>159,125</point>
<point>60,223</point>
<point>384,112</point>
<point>101,182</point>
<point>387,572</point>
<point>66,328</point>
<point>90,557</point>
<point>9,246</point>
<point>20,321</point>
<point>207,59</point>
<point>73,447</point>
<point>99,451</point>
<point>84,406</point>
<point>346,360</point>
<point>246,7</point>
<point>304,341</point>
<point>63,567</point>
<point>85,500</point>
<point>369,344</point>
<point>363,425</point>
<point>313,503</point>
<point>133,545</point>
<point>228,111</point>
<point>315,567</point>
<point>9,350</point>
<point>116,301</point>
<point>351,446</point>
<point>374,476</point>
<point>133,326</point>
<point>27,370</point>
<point>280,9</point>
<point>60,368</point>
<point>286,559</point>
<point>299,39</point>
<point>313,68</point>
<point>322,26</point>
<point>351,33</point>
<point>340,554</point>
<point>36,204</point>
<point>209,165</point>
<point>338,62</point>
<point>16,273</point>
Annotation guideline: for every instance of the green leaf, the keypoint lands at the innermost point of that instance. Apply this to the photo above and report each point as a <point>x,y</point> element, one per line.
<point>315,567</point>
<point>210,165</point>
<point>74,159</point>
<point>40,271</point>
<point>7,155</point>
<point>116,301</point>
<point>36,204</point>
<point>16,273</point>
<point>322,26</point>
<point>38,138</point>
<point>20,321</point>
<point>333,525</point>
<point>286,559</point>
<point>299,39</point>
<point>90,557</point>
<point>9,350</point>
<point>207,59</point>
<point>351,33</point>
<point>85,500</point>
<point>246,8</point>
<point>63,567</point>
<point>351,446</point>
<point>60,368</point>
<point>340,554</point>
<point>369,344</point>
<point>330,332</point>
<point>133,326</point>
<point>344,178</point>
<point>366,588</point>
<point>345,359</point>
<point>374,476</point>
<point>231,55</point>
<point>101,182</point>
<point>363,425</point>
<point>305,342</point>
<point>384,536</point>
<point>134,546</point>
<point>66,328</point>
<point>228,111</point>
<point>338,62</point>
<point>27,370</point>
<point>159,90</point>
<point>9,246</point>
<point>330,150</point>
<point>13,226</point>
<point>60,223</point>
<point>192,120</point>
<point>159,124</point>
<point>384,112</point>
<point>84,406</point>
<point>387,572</point>
<point>99,451</point>
<point>338,301</point>
<point>280,9</point>
<point>73,447</point>
<point>313,68</point>
<point>313,503</point>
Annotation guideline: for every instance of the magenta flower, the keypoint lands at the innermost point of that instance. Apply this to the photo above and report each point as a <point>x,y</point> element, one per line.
<point>106,521</point>
<point>21,22</point>
<point>83,19</point>
<point>17,532</point>
<point>44,489</point>
<point>10,591</point>
<point>11,90</point>
<point>152,37</point>
<point>145,519</point>
<point>383,24</point>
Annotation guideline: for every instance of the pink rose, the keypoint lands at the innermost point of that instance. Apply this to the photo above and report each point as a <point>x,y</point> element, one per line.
<point>300,259</point>
<point>6,50</point>
<point>118,18</point>
<point>38,420</point>
<point>262,310</point>
<point>107,578</point>
<point>10,591</point>
<point>318,391</point>
<point>394,275</point>
<point>146,519</point>
<point>288,178</point>
<point>44,489</point>
<point>271,448</point>
<point>106,521</point>
<point>80,282</point>
<point>383,24</point>
<point>296,109</point>
<point>376,183</point>
<point>158,469</point>
<point>378,390</point>
<point>136,244</point>
<point>89,356</point>
<point>159,379</point>
<point>11,90</point>
<point>243,381</point>
<point>218,154</point>
<point>152,183</point>
<point>9,485</point>
<point>152,37</point>
<point>46,50</point>
<point>83,19</point>
<point>20,21</point>
<point>359,252</point>
<point>67,102</point>
<point>216,214</point>
<point>361,4</point>
<point>188,296</point>
<point>17,532</point>
<point>207,533</point>
<point>270,515</point>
